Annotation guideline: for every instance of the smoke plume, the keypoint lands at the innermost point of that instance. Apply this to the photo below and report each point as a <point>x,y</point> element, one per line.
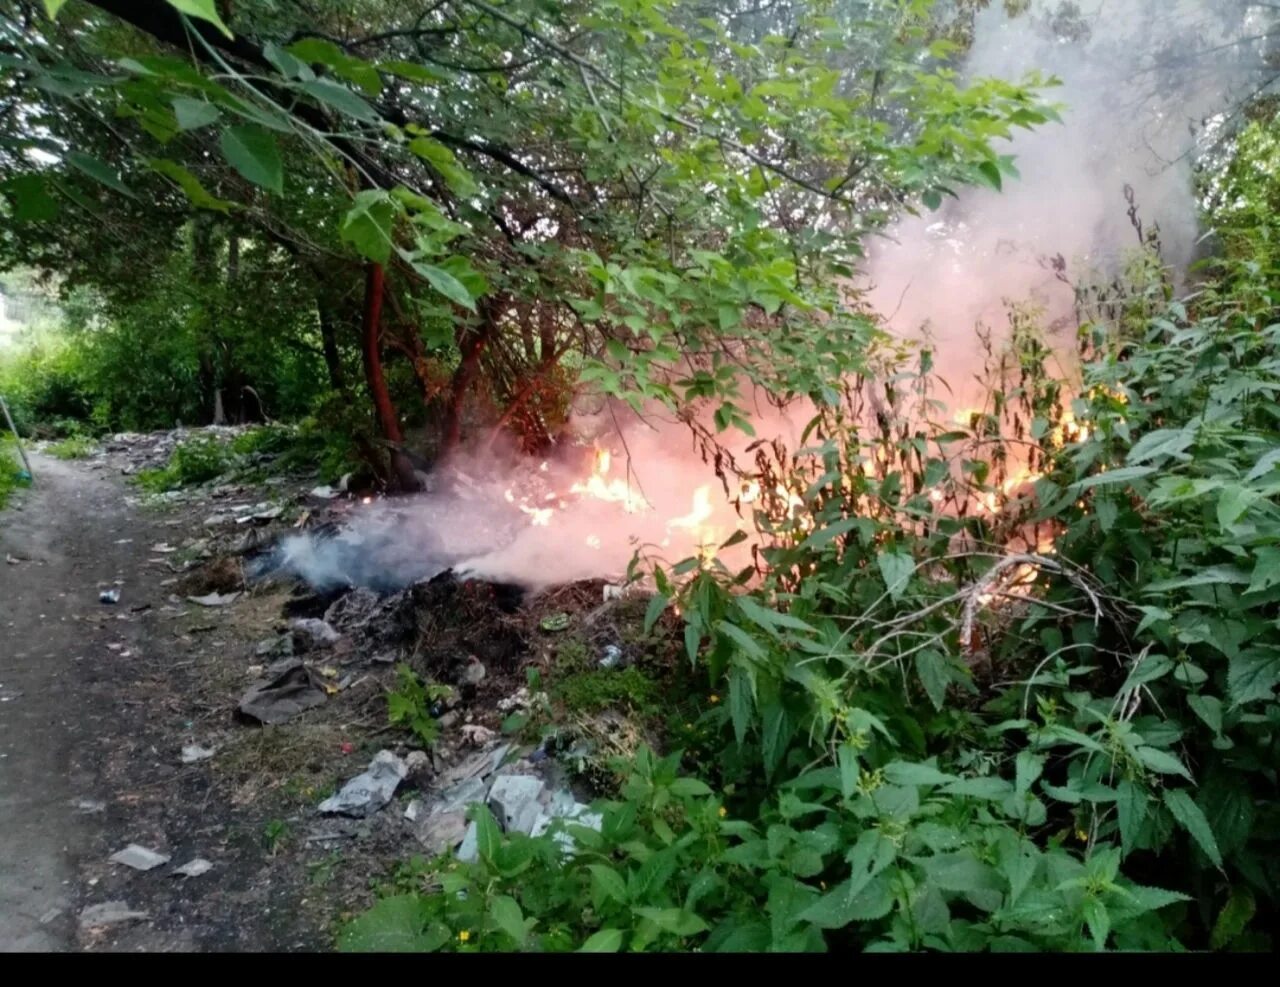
<point>1145,85</point>
<point>1143,82</point>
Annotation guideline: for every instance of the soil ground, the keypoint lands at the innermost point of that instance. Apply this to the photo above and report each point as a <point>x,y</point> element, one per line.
<point>97,702</point>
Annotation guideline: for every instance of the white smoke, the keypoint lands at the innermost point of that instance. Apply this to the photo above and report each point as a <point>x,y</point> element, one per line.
<point>1138,77</point>
<point>1141,80</point>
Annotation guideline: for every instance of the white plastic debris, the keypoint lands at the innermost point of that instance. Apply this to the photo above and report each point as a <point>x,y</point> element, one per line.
<point>309,632</point>
<point>139,857</point>
<point>109,596</point>
<point>215,599</point>
<point>469,852</point>
<point>368,792</point>
<point>324,493</point>
<point>612,656</point>
<point>193,868</point>
<point>514,800</point>
<point>194,752</point>
<point>109,913</point>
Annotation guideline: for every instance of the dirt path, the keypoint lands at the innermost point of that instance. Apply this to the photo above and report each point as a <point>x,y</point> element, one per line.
<point>70,533</point>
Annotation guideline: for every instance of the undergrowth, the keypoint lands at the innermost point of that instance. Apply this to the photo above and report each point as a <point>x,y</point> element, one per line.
<point>976,698</point>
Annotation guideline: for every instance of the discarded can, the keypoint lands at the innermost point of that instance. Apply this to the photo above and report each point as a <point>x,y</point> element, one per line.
<point>109,596</point>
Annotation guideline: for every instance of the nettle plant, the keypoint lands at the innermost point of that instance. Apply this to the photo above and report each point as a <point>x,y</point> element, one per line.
<point>937,732</point>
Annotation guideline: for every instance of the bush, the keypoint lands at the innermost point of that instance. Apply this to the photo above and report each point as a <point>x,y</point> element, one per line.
<point>194,461</point>
<point>73,447</point>
<point>1045,719</point>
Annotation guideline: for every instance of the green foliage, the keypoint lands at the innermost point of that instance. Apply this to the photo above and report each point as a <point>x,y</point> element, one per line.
<point>72,447</point>
<point>194,461</point>
<point>10,469</point>
<point>409,704</point>
<point>595,689</point>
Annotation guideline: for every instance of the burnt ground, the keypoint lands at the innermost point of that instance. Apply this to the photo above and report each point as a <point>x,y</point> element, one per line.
<point>97,702</point>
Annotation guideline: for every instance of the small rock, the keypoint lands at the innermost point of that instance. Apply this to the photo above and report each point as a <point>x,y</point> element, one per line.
<point>472,673</point>
<point>109,913</point>
<point>414,810</point>
<point>193,868</point>
<point>417,761</point>
<point>139,857</point>
<point>474,733</point>
<point>194,752</point>
<point>449,720</point>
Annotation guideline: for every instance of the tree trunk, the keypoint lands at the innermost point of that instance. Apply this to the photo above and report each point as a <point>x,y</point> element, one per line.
<point>329,340</point>
<point>401,467</point>
<point>471,348</point>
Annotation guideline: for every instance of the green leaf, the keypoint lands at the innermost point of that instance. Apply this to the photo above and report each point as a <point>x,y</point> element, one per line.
<point>1237,913</point>
<point>195,192</point>
<point>1253,674</point>
<point>654,610</point>
<point>768,618</point>
<point>740,703</point>
<point>1192,819</point>
<point>51,7</point>
<point>1162,442</point>
<point>690,787</point>
<point>194,113</point>
<point>1233,502</point>
<point>1098,921</point>
<point>907,773</point>
<point>989,172</point>
<point>829,533</point>
<point>252,151</point>
<point>677,921</point>
<point>896,569</point>
<point>1266,571</point>
<point>1163,762</point>
<point>506,914</point>
<point>609,882</point>
<point>488,835</point>
<point>340,98</point>
<point>446,284</point>
<point>445,162</point>
<point>392,925</point>
<point>1209,709</point>
<point>1111,478</point>
<point>203,10</point>
<point>604,941</point>
<point>934,675</point>
<point>368,224</point>
<point>29,199</point>
<point>745,642</point>
<point>99,172</point>
<point>1131,811</point>
<point>855,900</point>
